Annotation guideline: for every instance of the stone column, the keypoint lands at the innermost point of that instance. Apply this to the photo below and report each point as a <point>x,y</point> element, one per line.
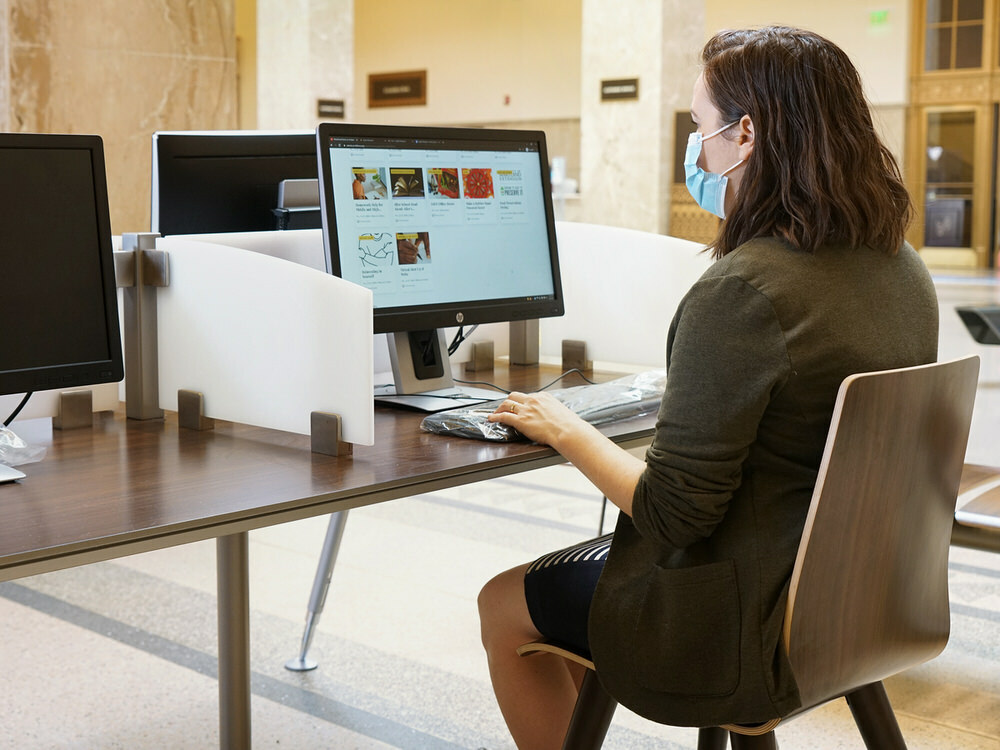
<point>305,52</point>
<point>121,69</point>
<point>4,66</point>
<point>627,145</point>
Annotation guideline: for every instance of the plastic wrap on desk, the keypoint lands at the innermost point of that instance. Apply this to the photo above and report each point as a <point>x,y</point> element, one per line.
<point>624,398</point>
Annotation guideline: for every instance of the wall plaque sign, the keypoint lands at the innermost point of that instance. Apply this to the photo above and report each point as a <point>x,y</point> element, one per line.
<point>620,88</point>
<point>330,109</point>
<point>397,89</point>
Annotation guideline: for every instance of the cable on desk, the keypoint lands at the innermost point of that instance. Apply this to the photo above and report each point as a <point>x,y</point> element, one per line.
<point>494,386</point>
<point>544,387</point>
<point>17,410</point>
<point>567,373</point>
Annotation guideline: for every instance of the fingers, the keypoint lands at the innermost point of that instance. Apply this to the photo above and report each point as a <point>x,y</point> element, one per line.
<point>511,405</point>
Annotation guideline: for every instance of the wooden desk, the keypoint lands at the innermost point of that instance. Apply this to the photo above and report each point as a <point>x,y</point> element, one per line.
<point>125,487</point>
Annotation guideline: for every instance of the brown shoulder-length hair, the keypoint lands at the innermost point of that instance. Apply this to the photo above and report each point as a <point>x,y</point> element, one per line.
<point>818,174</point>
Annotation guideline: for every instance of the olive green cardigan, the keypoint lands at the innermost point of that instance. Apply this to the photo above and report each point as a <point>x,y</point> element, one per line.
<point>685,626</point>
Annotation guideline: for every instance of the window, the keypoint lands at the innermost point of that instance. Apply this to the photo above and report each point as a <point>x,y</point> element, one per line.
<point>954,34</point>
<point>948,191</point>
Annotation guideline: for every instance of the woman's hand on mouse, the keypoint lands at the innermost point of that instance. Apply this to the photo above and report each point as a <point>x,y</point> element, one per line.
<point>538,416</point>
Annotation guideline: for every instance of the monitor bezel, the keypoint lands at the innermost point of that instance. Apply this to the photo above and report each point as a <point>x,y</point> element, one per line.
<point>445,314</point>
<point>65,375</point>
<point>168,144</point>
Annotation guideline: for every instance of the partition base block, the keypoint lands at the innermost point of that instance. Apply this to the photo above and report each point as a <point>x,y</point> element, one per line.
<point>191,411</point>
<point>326,435</point>
<point>76,409</point>
<point>482,357</point>
<point>574,356</point>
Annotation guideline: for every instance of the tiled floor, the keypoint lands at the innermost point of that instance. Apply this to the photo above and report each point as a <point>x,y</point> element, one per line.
<point>122,654</point>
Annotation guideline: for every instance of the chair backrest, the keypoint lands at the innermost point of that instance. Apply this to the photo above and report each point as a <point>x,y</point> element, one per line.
<point>869,591</point>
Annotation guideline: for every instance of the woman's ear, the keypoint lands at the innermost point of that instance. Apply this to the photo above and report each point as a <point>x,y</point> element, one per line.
<point>746,137</point>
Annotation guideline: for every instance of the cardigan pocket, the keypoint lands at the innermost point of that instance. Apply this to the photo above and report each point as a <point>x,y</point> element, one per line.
<point>687,635</point>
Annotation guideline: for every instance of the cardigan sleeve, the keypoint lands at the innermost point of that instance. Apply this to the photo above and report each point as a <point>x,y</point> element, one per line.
<point>726,358</point>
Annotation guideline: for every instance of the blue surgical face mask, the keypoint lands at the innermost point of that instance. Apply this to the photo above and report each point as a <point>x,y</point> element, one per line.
<point>707,188</point>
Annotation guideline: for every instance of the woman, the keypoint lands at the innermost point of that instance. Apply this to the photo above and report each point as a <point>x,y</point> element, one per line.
<point>812,282</point>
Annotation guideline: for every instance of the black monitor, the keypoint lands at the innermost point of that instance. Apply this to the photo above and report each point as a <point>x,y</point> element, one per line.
<point>59,297</point>
<point>230,181</point>
<point>446,226</point>
<point>983,322</point>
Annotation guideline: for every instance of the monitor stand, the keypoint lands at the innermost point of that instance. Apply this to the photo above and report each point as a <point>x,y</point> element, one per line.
<point>9,474</point>
<point>422,375</point>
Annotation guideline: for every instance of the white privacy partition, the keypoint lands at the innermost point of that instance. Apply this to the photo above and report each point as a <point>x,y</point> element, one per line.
<point>266,341</point>
<point>302,246</point>
<point>621,287</point>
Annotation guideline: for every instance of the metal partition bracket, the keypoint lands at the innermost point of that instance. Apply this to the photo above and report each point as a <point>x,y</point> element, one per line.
<point>574,356</point>
<point>124,268</point>
<point>191,411</point>
<point>524,342</point>
<point>140,268</point>
<point>326,435</point>
<point>76,409</point>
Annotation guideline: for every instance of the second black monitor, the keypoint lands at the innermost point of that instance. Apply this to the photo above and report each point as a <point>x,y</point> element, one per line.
<point>229,181</point>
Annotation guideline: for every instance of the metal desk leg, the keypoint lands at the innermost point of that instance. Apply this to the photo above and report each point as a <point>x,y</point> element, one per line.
<point>233,580</point>
<point>321,585</point>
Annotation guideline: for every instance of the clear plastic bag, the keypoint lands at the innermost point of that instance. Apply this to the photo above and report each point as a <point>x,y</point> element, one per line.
<point>15,452</point>
<point>630,396</point>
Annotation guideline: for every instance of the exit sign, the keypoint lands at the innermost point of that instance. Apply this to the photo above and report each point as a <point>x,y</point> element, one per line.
<point>878,18</point>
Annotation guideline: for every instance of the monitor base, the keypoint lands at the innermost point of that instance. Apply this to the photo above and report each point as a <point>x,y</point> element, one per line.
<point>436,400</point>
<point>9,474</point>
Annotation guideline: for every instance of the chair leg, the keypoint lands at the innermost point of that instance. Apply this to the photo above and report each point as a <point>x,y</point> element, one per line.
<point>753,742</point>
<point>591,716</point>
<point>713,738</point>
<point>875,719</point>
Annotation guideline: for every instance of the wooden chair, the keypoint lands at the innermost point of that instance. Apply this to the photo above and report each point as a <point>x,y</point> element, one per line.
<point>869,591</point>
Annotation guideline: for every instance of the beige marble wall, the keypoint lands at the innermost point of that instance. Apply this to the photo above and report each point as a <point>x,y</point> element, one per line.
<point>486,61</point>
<point>121,69</point>
<point>305,52</point>
<point>4,65</point>
<point>627,146</point>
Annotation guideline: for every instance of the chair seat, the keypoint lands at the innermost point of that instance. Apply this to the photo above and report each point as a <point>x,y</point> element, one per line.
<point>543,646</point>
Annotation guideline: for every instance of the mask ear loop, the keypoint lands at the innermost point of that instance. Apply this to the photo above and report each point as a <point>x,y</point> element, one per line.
<point>724,173</point>
<point>704,138</point>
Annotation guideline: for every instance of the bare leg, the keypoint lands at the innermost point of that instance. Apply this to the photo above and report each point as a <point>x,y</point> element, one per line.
<point>536,693</point>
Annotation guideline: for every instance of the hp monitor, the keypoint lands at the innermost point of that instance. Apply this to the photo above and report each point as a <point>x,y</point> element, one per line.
<point>446,226</point>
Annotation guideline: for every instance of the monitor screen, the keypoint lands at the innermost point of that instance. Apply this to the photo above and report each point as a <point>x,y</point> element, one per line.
<point>228,181</point>
<point>446,226</point>
<point>60,300</point>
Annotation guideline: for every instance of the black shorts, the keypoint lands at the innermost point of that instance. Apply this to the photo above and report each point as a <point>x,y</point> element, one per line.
<point>559,588</point>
